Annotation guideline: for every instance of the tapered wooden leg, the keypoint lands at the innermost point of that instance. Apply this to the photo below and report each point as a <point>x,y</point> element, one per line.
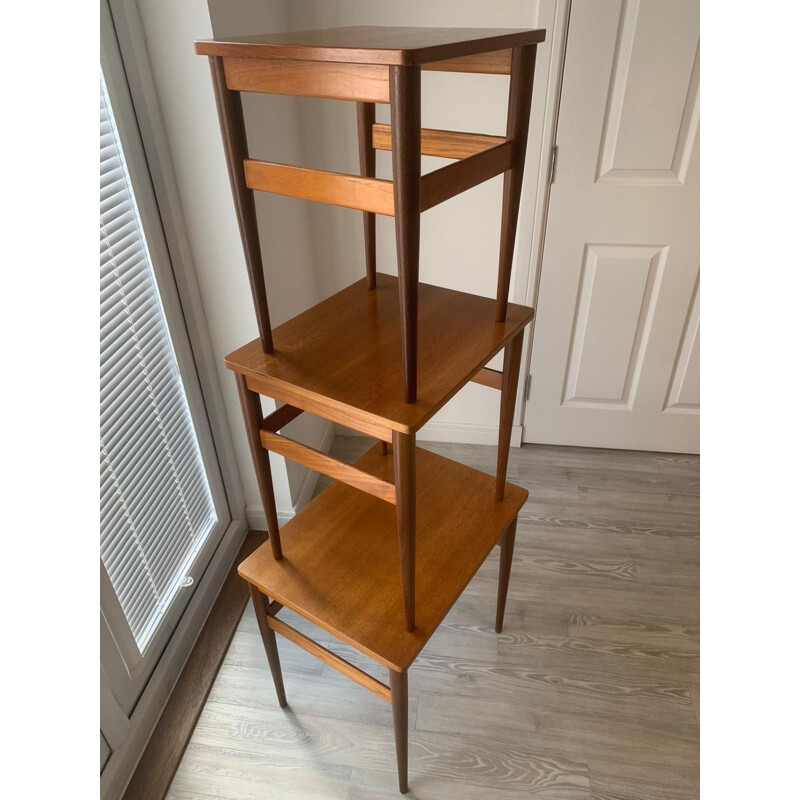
<point>234,140</point>
<point>251,410</point>
<point>512,358</point>
<point>405,486</point>
<point>404,96</point>
<point>506,557</point>
<point>261,606</point>
<point>398,683</point>
<point>523,60</point>
<point>366,157</point>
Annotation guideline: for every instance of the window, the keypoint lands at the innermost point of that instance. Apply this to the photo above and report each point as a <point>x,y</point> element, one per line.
<point>157,509</point>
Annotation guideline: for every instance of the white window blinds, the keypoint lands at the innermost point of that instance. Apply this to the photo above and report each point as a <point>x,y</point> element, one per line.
<point>156,506</point>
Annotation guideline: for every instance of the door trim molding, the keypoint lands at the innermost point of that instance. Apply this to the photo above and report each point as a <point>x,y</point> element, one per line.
<point>554,16</point>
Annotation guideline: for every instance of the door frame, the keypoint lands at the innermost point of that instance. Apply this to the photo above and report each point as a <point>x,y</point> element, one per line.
<point>554,16</point>
<point>125,64</point>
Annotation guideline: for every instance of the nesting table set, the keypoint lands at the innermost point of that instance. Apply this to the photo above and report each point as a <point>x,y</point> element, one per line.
<point>379,557</point>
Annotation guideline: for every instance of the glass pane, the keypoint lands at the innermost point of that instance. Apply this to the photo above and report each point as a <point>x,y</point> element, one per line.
<point>156,506</point>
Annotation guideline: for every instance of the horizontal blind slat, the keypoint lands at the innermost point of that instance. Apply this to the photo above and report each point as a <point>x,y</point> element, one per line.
<point>155,505</point>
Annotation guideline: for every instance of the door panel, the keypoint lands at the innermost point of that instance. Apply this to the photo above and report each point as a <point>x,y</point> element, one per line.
<point>615,359</point>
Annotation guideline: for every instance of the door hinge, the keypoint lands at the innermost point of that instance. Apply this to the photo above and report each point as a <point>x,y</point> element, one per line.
<point>553,157</point>
<point>528,387</point>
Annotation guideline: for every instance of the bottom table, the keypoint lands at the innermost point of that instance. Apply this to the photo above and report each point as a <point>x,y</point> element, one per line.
<point>340,571</point>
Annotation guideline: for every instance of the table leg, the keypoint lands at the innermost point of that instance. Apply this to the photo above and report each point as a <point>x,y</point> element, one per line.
<point>523,60</point>
<point>506,556</point>
<point>251,411</point>
<point>404,96</point>
<point>261,606</point>
<point>512,358</point>
<point>398,682</point>
<point>366,158</point>
<point>405,487</point>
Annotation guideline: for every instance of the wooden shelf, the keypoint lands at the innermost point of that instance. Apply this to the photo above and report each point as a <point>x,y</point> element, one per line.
<point>340,568</point>
<point>342,359</point>
<point>374,45</point>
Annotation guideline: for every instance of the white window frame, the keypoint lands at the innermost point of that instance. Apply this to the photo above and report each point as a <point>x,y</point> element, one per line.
<point>136,163</point>
<point>137,686</point>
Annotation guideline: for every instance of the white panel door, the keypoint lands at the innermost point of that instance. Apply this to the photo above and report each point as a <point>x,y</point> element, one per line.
<point>615,360</point>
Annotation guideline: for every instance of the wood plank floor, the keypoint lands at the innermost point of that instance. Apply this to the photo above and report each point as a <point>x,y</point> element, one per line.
<point>590,693</point>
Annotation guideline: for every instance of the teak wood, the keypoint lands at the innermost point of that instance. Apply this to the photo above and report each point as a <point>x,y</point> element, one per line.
<point>341,359</point>
<point>351,191</point>
<point>523,62</point>
<point>322,462</point>
<point>234,140</point>
<point>262,608</point>
<point>331,659</point>
<point>461,175</point>
<point>404,92</point>
<point>445,144</point>
<point>399,683</point>
<point>510,379</point>
<point>370,65</point>
<point>364,82</point>
<point>280,417</point>
<point>492,378</point>
<point>337,575</point>
<point>405,480</point>
<point>494,63</point>
<point>381,45</point>
<point>340,568</point>
<point>365,117</point>
<point>253,419</point>
<point>362,359</point>
<point>506,557</point>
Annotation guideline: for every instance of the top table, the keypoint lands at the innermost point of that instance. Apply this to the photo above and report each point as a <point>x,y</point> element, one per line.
<point>392,46</point>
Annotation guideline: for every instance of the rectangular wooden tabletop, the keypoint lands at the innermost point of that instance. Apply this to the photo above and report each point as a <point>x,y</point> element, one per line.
<point>341,567</point>
<point>342,358</point>
<point>371,44</point>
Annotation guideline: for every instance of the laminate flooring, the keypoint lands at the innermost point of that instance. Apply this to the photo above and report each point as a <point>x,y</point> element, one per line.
<point>590,693</point>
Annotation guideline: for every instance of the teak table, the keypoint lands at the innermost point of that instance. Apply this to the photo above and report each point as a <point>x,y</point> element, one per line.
<point>383,355</point>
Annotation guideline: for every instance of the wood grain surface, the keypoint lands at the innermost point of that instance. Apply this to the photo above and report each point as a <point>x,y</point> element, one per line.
<point>363,82</point>
<point>372,45</point>
<point>441,143</point>
<point>340,567</point>
<point>335,188</point>
<point>589,693</point>
<point>342,358</point>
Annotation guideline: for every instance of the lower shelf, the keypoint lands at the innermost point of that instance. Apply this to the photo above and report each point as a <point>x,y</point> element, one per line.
<point>341,566</point>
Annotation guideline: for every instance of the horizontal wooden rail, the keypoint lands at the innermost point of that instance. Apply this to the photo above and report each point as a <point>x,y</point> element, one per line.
<point>447,182</point>
<point>331,659</point>
<point>351,191</point>
<point>367,424</point>
<point>279,417</point>
<point>445,144</point>
<point>496,63</point>
<point>322,462</point>
<point>493,378</point>
<point>368,83</point>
